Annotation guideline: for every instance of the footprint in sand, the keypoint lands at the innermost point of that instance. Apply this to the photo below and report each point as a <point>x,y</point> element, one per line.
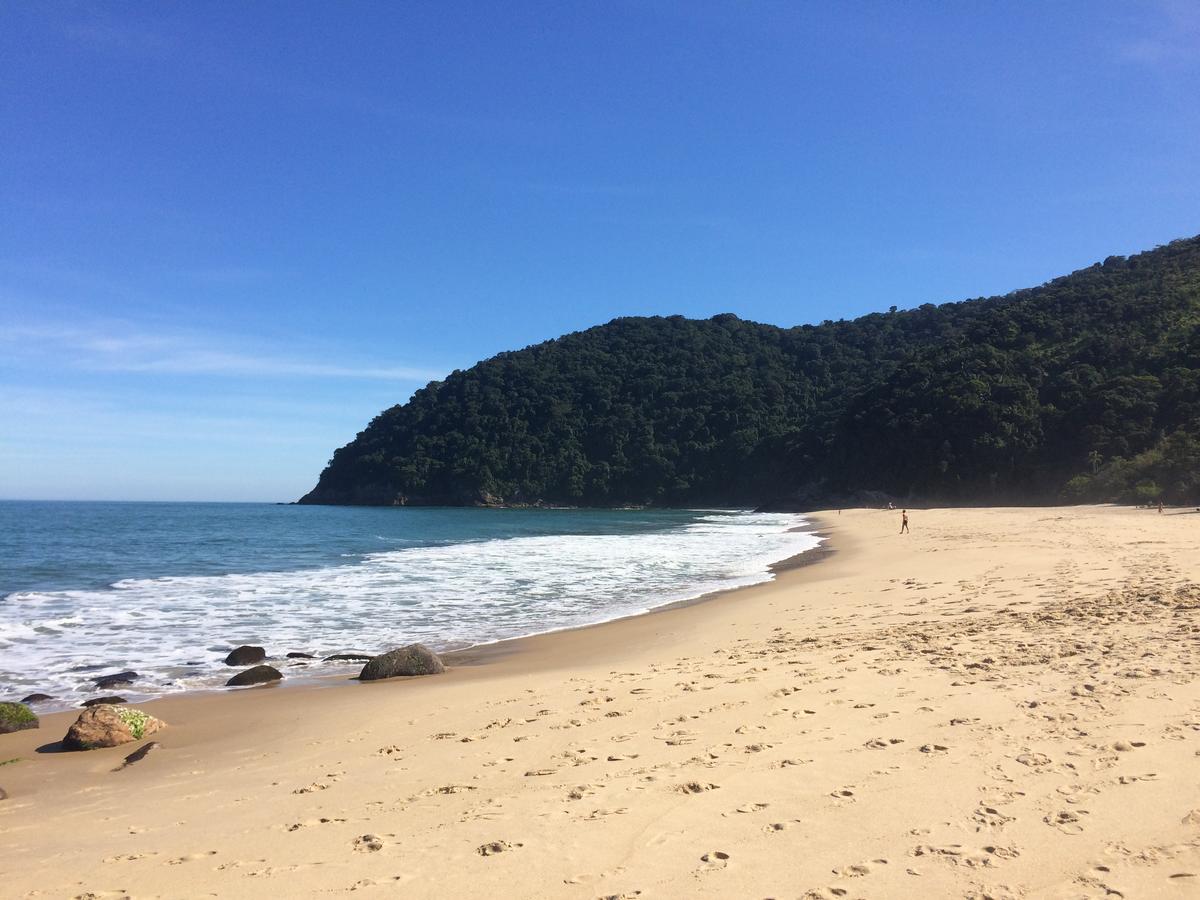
<point>1065,821</point>
<point>695,787</point>
<point>324,820</point>
<point>597,814</point>
<point>857,870</point>
<point>191,857</point>
<point>776,827</point>
<point>376,882</point>
<point>989,815</point>
<point>786,763</point>
<point>714,859</point>
<point>127,857</point>
<point>491,848</point>
<point>1126,746</point>
<point>752,807</point>
<point>958,855</point>
<point>368,843</point>
<point>1034,760</point>
<point>450,789</point>
<point>311,788</point>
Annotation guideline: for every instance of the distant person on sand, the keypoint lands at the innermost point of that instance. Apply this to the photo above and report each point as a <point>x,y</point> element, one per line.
<point>903,521</point>
<point>1160,507</point>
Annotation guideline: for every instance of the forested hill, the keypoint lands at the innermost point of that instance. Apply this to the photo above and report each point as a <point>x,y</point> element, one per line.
<point>1086,388</point>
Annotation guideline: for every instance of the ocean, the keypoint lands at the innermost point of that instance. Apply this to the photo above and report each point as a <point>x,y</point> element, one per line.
<point>167,589</point>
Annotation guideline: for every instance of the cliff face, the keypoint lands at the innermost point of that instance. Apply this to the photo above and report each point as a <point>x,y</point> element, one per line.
<point>354,495</point>
<point>1087,387</point>
<point>380,494</point>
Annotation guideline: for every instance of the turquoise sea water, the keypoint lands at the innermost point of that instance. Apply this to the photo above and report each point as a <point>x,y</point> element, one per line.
<point>166,589</point>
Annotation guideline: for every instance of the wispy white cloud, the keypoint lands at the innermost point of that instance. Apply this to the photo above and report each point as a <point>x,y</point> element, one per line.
<point>124,349</point>
<point>84,443</point>
<point>216,362</point>
<point>1170,37</point>
<point>52,417</point>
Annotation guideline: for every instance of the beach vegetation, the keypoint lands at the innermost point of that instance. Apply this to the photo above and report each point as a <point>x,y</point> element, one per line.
<point>1085,388</point>
<point>135,720</point>
<point>16,717</point>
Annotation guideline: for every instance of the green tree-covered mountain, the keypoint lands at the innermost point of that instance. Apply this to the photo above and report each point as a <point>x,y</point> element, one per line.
<point>1086,388</point>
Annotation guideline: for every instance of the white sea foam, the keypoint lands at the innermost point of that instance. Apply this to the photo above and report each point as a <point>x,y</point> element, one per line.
<point>175,631</point>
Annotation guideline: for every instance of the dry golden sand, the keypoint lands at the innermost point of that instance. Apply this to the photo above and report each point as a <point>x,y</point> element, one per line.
<point>1004,703</point>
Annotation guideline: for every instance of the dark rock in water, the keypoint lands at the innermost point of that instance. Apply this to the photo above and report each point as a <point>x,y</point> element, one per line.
<point>246,656</point>
<point>90,667</point>
<point>257,675</point>
<point>415,659</point>
<point>36,698</point>
<point>349,657</point>
<point>15,717</point>
<point>101,701</point>
<point>115,680</point>
<point>138,755</point>
<point>300,656</point>
<point>110,726</point>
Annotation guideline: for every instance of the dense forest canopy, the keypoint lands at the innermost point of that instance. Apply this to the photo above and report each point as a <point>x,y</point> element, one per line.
<point>1086,388</point>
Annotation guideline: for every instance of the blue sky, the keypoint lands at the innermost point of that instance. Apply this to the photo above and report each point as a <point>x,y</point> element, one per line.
<point>231,233</point>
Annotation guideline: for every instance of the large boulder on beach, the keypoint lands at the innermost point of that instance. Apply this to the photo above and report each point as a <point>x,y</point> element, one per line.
<point>415,659</point>
<point>257,675</point>
<point>16,717</point>
<point>115,680</point>
<point>110,726</point>
<point>246,655</point>
<point>36,698</point>
<point>103,701</point>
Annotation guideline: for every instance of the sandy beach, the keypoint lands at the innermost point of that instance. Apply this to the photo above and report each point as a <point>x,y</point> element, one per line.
<point>1003,703</point>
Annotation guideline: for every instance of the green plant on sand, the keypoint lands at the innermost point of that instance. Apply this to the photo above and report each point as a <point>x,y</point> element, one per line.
<point>15,717</point>
<point>135,720</point>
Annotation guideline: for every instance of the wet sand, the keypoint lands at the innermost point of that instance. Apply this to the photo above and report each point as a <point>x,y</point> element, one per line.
<point>1004,703</point>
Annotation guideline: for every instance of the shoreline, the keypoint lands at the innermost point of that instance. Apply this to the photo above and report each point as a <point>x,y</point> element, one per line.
<point>1005,703</point>
<point>479,658</point>
<point>296,678</point>
<point>484,654</point>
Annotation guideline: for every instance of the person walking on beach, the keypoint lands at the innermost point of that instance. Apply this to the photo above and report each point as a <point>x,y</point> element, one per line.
<point>1160,507</point>
<point>904,521</point>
